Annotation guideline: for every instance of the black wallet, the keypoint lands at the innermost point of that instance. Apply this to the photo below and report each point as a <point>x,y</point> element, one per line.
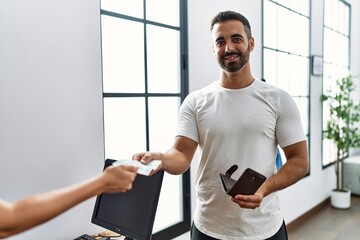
<point>247,184</point>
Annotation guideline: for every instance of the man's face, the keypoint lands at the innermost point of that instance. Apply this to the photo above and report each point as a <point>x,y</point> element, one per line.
<point>231,45</point>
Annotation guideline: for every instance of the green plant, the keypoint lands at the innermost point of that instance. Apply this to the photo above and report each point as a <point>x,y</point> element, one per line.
<point>341,127</point>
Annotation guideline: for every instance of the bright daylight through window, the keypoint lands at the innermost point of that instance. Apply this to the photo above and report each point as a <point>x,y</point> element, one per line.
<point>144,83</point>
<point>336,59</point>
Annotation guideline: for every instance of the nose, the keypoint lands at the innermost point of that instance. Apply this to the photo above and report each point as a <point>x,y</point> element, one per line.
<point>229,47</point>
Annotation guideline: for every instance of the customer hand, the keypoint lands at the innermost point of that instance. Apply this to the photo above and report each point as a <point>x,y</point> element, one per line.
<point>118,178</point>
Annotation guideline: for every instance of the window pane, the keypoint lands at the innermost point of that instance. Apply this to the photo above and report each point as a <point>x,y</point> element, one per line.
<point>123,67</point>
<point>270,66</point>
<point>132,8</point>
<point>284,25</point>
<point>298,75</point>
<point>289,39</point>
<point>122,124</point>
<point>163,112</point>
<point>163,59</point>
<point>342,18</point>
<point>336,16</point>
<point>329,152</point>
<point>170,203</point>
<point>328,43</point>
<point>347,21</point>
<point>336,22</point>
<point>157,14</point>
<point>331,73</point>
<point>301,6</point>
<point>344,51</point>
<point>285,3</point>
<point>340,54</point>
<point>327,14</point>
<point>283,71</point>
<point>270,25</point>
<point>331,13</point>
<point>336,59</point>
<point>293,72</point>
<point>300,43</point>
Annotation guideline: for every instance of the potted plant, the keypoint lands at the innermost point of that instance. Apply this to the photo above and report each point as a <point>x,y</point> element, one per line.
<point>342,129</point>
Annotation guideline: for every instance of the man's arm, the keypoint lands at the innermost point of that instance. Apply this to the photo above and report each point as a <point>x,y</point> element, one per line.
<point>295,168</point>
<point>36,209</point>
<point>176,160</point>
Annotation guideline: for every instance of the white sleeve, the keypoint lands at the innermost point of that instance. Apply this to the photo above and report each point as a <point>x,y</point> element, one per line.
<point>187,124</point>
<point>289,129</point>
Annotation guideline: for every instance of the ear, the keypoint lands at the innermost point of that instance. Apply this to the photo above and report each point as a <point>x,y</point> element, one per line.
<point>251,43</point>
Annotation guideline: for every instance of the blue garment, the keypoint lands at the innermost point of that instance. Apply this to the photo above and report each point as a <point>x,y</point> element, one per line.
<point>278,160</point>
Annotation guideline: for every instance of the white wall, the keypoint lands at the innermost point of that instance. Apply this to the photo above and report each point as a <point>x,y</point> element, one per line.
<point>50,104</point>
<point>51,132</point>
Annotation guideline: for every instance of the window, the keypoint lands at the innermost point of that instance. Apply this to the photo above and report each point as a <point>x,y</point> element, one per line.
<point>144,82</point>
<point>336,59</point>
<point>286,51</point>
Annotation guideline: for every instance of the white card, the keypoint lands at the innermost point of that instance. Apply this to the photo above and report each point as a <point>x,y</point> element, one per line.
<point>143,169</point>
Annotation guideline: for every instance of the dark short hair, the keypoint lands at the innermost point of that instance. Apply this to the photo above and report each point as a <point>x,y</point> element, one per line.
<point>231,15</point>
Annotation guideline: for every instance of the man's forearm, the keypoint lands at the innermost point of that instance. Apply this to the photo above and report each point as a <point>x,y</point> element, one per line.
<point>174,162</point>
<point>291,172</point>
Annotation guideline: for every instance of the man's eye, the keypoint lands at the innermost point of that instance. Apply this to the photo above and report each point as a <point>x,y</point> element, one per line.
<point>237,40</point>
<point>219,43</point>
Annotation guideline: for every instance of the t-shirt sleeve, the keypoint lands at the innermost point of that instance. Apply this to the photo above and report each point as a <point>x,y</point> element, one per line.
<point>289,128</point>
<point>187,126</point>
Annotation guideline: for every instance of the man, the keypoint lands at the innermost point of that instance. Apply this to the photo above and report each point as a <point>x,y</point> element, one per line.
<point>34,210</point>
<point>237,120</point>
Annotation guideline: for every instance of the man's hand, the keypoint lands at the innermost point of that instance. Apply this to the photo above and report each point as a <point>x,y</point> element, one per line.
<point>248,201</point>
<point>174,161</point>
<point>146,157</point>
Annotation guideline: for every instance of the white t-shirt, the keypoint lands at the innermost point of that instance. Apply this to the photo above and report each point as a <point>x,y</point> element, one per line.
<point>243,127</point>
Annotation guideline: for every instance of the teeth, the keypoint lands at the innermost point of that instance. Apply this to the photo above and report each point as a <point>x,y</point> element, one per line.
<point>230,57</point>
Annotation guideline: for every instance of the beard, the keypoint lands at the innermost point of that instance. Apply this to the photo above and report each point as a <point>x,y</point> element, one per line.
<point>235,65</point>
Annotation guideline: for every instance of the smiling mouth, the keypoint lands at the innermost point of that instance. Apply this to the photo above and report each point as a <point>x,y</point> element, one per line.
<point>231,57</point>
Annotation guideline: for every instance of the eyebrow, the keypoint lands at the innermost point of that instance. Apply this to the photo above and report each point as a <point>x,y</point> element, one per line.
<point>232,36</point>
<point>237,35</point>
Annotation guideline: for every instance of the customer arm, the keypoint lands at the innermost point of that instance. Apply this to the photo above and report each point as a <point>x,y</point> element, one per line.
<point>293,170</point>
<point>36,209</point>
<point>176,160</point>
